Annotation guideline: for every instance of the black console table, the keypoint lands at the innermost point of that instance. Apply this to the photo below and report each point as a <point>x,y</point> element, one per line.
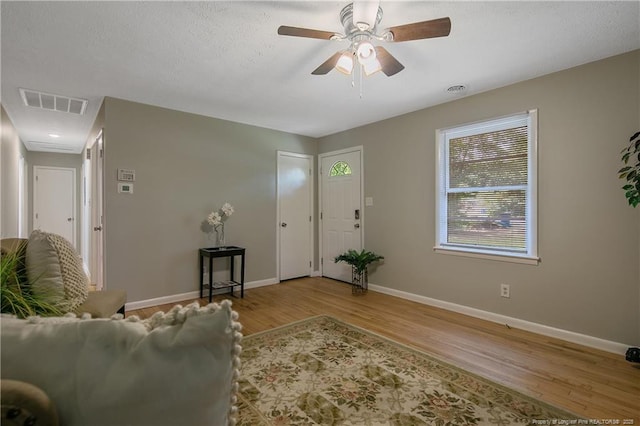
<point>224,251</point>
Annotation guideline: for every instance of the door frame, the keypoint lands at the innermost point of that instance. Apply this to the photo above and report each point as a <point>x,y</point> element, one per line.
<point>98,245</point>
<point>360,150</point>
<point>312,197</point>
<point>92,189</point>
<point>74,198</point>
<point>23,197</point>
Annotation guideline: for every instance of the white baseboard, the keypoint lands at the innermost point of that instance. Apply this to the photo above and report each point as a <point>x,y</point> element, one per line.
<point>316,274</point>
<point>570,336</point>
<point>261,283</point>
<point>129,306</point>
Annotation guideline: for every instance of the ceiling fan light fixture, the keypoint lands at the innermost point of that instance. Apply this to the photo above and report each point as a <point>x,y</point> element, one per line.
<point>365,51</point>
<point>360,21</point>
<point>371,66</point>
<point>345,62</point>
<point>367,57</point>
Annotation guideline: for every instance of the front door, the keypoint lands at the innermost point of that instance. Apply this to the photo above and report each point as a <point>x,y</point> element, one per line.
<point>295,201</point>
<point>341,209</point>
<point>54,201</point>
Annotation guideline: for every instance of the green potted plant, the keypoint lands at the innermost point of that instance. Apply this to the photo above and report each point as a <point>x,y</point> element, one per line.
<point>631,173</point>
<point>359,262</point>
<point>15,296</point>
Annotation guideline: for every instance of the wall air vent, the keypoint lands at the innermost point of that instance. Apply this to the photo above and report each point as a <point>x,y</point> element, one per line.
<point>53,102</point>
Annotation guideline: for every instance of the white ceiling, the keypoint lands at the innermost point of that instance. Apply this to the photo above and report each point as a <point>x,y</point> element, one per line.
<point>225,59</point>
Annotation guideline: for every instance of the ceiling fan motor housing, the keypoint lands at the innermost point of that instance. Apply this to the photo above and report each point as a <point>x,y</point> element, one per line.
<point>351,29</point>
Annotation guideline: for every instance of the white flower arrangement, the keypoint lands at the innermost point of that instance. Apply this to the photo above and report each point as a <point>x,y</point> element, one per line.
<point>214,219</point>
<point>227,209</point>
<point>217,218</point>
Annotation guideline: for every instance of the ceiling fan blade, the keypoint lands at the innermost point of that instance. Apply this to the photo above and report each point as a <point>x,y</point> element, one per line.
<point>440,27</point>
<point>390,65</point>
<point>305,32</point>
<point>327,65</point>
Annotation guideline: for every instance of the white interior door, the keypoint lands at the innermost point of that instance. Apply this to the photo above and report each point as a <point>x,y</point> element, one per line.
<point>54,201</point>
<point>295,224</point>
<point>341,209</point>
<point>96,264</point>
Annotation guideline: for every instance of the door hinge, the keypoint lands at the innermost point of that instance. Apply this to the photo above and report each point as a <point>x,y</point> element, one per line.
<point>309,264</point>
<point>309,172</point>
<point>322,260</point>
<point>320,215</point>
<point>309,218</point>
<point>101,153</point>
<point>36,215</point>
<point>88,153</point>
<point>36,177</point>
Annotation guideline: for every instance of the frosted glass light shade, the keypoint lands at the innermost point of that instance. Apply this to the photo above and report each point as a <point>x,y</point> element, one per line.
<point>365,51</point>
<point>371,66</point>
<point>345,63</point>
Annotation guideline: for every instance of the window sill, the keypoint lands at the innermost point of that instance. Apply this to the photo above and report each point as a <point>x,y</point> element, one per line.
<point>485,254</point>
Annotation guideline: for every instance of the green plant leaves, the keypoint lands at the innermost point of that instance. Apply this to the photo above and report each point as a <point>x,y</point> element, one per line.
<point>15,297</point>
<point>359,260</point>
<point>631,173</point>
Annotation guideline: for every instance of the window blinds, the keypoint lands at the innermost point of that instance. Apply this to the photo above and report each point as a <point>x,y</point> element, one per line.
<point>486,189</point>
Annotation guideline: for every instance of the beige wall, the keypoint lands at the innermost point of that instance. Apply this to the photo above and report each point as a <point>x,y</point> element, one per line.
<point>186,165</point>
<point>11,147</point>
<point>588,281</point>
<point>54,159</point>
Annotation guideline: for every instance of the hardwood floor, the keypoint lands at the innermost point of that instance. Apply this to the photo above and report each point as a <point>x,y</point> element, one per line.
<point>590,383</point>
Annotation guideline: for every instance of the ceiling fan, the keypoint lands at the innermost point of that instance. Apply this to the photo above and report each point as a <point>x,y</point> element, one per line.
<point>360,20</point>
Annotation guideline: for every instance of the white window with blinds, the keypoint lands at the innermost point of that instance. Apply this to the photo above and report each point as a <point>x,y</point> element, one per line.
<point>486,189</point>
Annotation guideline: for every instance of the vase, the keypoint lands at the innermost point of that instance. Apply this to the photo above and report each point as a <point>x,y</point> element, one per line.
<point>359,281</point>
<point>220,236</point>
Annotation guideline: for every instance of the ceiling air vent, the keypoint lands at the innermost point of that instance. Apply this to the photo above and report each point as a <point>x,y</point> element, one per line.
<point>53,102</point>
<point>48,147</point>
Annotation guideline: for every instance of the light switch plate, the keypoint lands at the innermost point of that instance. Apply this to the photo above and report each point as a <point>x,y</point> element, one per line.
<point>368,201</point>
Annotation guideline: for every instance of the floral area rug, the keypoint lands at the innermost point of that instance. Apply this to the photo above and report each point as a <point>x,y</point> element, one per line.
<point>323,371</point>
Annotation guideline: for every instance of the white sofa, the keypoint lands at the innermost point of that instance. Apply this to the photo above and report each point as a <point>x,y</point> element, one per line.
<point>175,368</point>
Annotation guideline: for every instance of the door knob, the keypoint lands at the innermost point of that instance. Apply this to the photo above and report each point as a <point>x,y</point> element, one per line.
<point>69,219</point>
<point>357,225</point>
<point>97,228</point>
<point>283,224</point>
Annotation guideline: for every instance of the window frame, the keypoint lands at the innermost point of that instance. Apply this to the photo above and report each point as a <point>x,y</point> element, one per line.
<point>344,170</point>
<point>530,255</point>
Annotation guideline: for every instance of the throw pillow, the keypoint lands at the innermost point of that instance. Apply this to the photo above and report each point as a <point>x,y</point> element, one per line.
<point>55,271</point>
<point>175,368</point>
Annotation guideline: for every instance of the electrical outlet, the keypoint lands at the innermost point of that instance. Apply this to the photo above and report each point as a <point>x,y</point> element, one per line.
<point>505,290</point>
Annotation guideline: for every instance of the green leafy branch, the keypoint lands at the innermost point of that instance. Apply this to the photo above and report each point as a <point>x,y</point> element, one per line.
<point>358,260</point>
<point>631,173</point>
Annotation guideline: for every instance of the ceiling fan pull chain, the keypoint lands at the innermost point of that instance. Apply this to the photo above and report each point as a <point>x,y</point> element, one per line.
<point>361,80</point>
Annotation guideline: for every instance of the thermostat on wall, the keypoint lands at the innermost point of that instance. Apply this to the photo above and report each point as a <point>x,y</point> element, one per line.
<point>125,188</point>
<point>126,175</point>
